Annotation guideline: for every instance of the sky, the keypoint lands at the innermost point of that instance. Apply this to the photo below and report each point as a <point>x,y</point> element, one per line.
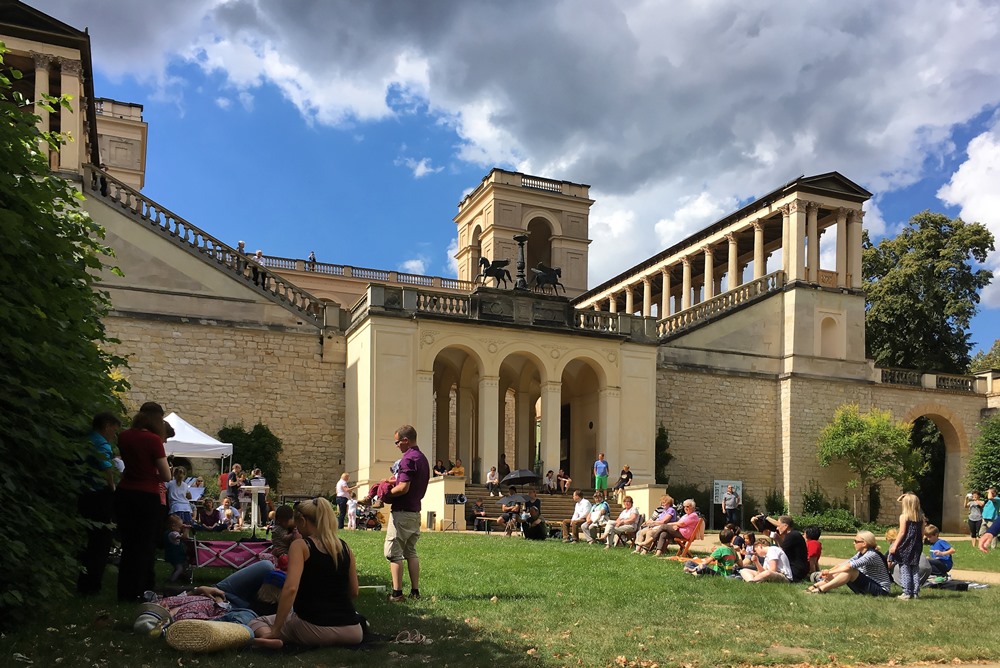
<point>353,129</point>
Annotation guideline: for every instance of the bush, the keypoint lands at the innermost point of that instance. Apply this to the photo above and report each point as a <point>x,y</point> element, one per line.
<point>55,370</point>
<point>702,497</point>
<point>836,520</point>
<point>751,506</point>
<point>662,456</point>
<point>258,448</point>
<point>814,501</point>
<point>775,503</point>
<point>984,464</point>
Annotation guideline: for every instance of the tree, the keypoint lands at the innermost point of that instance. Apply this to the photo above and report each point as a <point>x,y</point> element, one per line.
<point>662,455</point>
<point>257,448</point>
<point>922,292</point>
<point>873,446</point>
<point>55,370</point>
<point>986,360</point>
<point>984,464</point>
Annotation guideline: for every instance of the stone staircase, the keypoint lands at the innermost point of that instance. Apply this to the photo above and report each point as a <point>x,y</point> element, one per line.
<point>102,186</point>
<point>710,310</point>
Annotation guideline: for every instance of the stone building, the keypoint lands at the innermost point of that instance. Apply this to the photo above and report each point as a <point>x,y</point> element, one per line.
<point>736,339</point>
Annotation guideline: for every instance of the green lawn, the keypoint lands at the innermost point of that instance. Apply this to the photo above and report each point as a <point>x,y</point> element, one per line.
<point>966,556</point>
<point>558,604</point>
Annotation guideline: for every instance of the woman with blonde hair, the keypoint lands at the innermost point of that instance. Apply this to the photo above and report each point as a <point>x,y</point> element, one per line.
<point>321,585</point>
<point>909,544</point>
<point>864,573</point>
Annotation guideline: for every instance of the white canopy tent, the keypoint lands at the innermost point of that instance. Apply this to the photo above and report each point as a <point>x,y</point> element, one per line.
<point>189,441</point>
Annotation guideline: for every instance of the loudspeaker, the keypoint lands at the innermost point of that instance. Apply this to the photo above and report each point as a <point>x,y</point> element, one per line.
<point>455,499</point>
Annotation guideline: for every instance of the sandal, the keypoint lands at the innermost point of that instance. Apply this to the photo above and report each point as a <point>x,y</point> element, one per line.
<point>813,589</point>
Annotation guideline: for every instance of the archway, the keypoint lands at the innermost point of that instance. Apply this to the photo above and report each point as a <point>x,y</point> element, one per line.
<point>456,381</point>
<point>581,425</point>
<point>539,247</point>
<point>940,434</point>
<point>519,391</point>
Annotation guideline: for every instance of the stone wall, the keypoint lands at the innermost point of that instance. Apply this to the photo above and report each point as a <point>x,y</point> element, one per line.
<point>213,375</point>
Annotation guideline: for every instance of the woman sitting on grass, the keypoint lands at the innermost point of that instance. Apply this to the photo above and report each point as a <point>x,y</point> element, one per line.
<point>864,573</point>
<point>321,584</point>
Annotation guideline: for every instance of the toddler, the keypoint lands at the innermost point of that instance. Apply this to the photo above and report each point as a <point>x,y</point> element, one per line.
<point>375,494</point>
<point>352,511</point>
<point>173,549</point>
<point>723,560</point>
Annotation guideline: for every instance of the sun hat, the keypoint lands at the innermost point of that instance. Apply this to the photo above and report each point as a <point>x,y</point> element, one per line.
<point>152,618</point>
<point>202,635</point>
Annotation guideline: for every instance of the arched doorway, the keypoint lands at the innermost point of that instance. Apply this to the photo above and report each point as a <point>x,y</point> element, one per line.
<point>539,246</point>
<point>581,426</point>
<point>940,434</point>
<point>456,385</point>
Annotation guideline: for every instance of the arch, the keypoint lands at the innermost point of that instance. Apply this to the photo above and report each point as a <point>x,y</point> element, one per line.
<point>555,227</point>
<point>539,246</point>
<point>950,426</point>
<point>831,340</point>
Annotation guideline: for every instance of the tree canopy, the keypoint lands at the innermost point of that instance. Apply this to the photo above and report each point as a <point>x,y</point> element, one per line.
<point>257,448</point>
<point>985,360</point>
<point>923,290</point>
<point>873,446</point>
<point>984,464</point>
<point>55,371</point>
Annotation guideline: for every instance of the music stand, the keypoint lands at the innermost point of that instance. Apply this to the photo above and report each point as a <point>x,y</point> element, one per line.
<point>453,500</point>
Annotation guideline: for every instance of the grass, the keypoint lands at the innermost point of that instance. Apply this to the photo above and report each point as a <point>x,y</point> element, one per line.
<point>508,602</point>
<point>966,556</point>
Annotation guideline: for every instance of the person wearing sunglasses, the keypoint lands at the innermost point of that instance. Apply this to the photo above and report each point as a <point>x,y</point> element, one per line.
<point>864,573</point>
<point>404,520</point>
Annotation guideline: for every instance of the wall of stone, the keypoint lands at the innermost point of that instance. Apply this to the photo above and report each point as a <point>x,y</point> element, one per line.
<point>722,426</point>
<point>213,375</point>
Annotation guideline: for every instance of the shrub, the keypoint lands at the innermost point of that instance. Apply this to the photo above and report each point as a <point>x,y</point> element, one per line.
<point>984,464</point>
<point>662,456</point>
<point>836,520</point>
<point>775,503</point>
<point>702,497</point>
<point>751,506</point>
<point>814,501</point>
<point>258,448</point>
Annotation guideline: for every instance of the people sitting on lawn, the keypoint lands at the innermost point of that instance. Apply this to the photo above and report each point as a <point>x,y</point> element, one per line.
<point>533,525</point>
<point>814,550</point>
<point>597,519</point>
<point>772,564</point>
<point>941,551</point>
<point>626,524</point>
<point>173,548</point>
<point>564,481</point>
<point>378,491</point>
<point>749,556</point>
<point>895,572</point>
<point>581,511</point>
<point>682,529</point>
<point>864,573</point>
<point>232,518</point>
<point>283,534</point>
<point>550,484</point>
<point>790,540</point>
<point>209,518</point>
<point>724,559</point>
<point>651,528</point>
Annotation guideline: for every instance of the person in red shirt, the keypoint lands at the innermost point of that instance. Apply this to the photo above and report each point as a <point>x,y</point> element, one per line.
<point>137,500</point>
<point>814,548</point>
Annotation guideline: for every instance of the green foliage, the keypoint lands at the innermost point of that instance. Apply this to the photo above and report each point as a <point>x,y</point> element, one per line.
<point>985,360</point>
<point>662,455</point>
<point>258,448</point>
<point>835,520</point>
<point>984,464</point>
<point>922,292</point>
<point>702,497</point>
<point>814,501</point>
<point>873,446</point>
<point>775,503</point>
<point>751,506</point>
<point>56,375</point>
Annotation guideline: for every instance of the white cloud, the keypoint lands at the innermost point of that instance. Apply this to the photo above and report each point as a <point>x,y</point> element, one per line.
<point>223,102</point>
<point>420,168</point>
<point>975,189</point>
<point>417,265</point>
<point>451,261</point>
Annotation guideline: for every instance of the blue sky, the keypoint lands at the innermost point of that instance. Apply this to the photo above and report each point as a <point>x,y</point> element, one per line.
<point>353,129</point>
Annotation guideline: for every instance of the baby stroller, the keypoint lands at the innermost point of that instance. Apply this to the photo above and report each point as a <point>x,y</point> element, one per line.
<point>369,518</point>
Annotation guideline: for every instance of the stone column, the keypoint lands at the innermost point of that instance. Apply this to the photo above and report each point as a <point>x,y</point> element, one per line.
<point>647,297</point>
<point>709,272</point>
<point>465,429</point>
<point>854,248</point>
<point>842,280</point>
<point>812,229</point>
<point>489,392</point>
<point>551,417</point>
<point>423,421</point>
<point>735,276</point>
<point>42,63</point>
<point>608,422</point>
<point>686,294</point>
<point>442,422</point>
<point>524,427</point>
<point>613,303</point>
<point>785,222</point>
<point>71,122</point>
<point>501,428</point>
<point>630,299</point>
<point>759,262</point>
<point>665,294</point>
<point>796,241</point>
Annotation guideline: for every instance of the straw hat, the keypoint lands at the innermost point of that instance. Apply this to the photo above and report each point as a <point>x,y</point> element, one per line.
<point>200,635</point>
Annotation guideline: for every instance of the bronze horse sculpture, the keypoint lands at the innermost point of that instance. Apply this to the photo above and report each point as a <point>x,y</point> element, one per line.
<point>497,270</point>
<point>545,276</point>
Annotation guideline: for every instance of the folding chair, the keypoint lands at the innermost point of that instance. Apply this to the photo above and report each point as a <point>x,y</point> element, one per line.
<point>685,544</point>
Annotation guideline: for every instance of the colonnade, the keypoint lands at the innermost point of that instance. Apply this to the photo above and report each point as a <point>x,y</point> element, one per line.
<point>71,120</point>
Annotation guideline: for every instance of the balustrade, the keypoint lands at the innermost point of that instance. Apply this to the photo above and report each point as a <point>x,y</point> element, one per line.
<point>901,377</point>
<point>102,185</point>
<point>541,184</point>
<point>597,321</point>
<point>723,303</point>
<point>956,383</point>
<point>443,303</point>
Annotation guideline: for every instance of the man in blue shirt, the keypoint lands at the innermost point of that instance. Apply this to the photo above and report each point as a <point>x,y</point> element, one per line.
<point>96,503</point>
<point>601,472</point>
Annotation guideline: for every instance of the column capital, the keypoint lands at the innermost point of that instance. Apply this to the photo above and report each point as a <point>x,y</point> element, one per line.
<point>798,206</point>
<point>707,249</point>
<point>42,60</point>
<point>70,66</point>
<point>551,386</point>
<point>665,271</point>
<point>857,216</point>
<point>842,212</point>
<point>646,280</point>
<point>758,225</point>
<point>686,260</point>
<point>425,376</point>
<point>812,207</point>
<point>785,209</point>
<point>489,381</point>
<point>610,392</point>
<point>731,237</point>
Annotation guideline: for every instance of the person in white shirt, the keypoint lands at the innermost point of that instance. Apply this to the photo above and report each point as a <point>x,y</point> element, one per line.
<point>179,496</point>
<point>343,496</point>
<point>598,519</point>
<point>775,568</point>
<point>493,481</point>
<point>627,522</point>
<point>571,527</point>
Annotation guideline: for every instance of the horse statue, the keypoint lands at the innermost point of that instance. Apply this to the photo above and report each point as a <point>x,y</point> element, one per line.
<point>496,270</point>
<point>545,276</point>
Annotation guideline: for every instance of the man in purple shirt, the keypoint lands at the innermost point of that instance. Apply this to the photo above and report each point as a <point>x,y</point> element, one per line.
<point>404,519</point>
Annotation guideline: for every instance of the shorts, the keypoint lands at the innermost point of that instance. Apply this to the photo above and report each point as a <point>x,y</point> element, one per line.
<point>865,585</point>
<point>401,535</point>
<point>600,482</point>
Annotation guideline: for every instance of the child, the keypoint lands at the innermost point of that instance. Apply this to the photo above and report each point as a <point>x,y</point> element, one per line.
<point>173,550</point>
<point>941,551</point>
<point>738,543</point>
<point>352,511</point>
<point>814,549</point>
<point>376,493</point>
<point>723,560</point>
<point>908,545</point>
<point>975,506</point>
<point>283,534</point>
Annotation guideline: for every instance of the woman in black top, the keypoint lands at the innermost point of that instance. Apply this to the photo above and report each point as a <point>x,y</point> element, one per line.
<point>322,583</point>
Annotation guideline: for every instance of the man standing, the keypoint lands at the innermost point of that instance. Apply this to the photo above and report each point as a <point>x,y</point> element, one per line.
<point>233,486</point>
<point>731,503</point>
<point>404,519</point>
<point>600,472</point>
<point>97,502</point>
